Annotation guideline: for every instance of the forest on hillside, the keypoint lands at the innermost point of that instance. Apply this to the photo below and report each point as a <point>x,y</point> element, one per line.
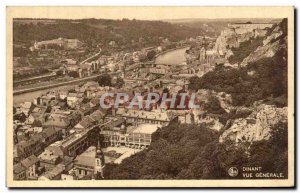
<point>264,79</point>
<point>95,31</point>
<point>244,49</point>
<point>194,152</point>
<point>269,80</point>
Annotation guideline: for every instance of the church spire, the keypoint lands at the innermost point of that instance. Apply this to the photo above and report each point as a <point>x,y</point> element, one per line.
<point>99,163</point>
<point>98,145</point>
<point>98,149</point>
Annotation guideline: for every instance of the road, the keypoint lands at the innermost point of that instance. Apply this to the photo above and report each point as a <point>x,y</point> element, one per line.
<point>95,55</point>
<point>21,91</point>
<point>15,92</point>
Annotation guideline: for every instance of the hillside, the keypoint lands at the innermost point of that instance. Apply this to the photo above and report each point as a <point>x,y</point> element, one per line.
<point>255,131</point>
<point>95,31</point>
<point>261,76</point>
<point>193,152</point>
<point>213,27</point>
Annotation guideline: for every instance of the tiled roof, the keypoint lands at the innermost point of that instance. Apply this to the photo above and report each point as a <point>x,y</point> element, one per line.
<point>91,83</point>
<point>86,122</point>
<point>47,132</point>
<point>114,122</point>
<point>29,161</point>
<point>54,172</point>
<point>145,129</point>
<point>18,168</point>
<point>151,115</point>
<point>57,120</point>
<point>87,158</point>
<point>97,115</point>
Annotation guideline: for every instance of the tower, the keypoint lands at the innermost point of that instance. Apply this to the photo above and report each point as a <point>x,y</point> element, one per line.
<point>99,163</point>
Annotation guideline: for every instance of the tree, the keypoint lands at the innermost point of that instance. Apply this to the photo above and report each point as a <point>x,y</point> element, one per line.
<point>119,82</point>
<point>73,74</point>
<point>151,54</point>
<point>37,123</point>
<point>59,73</point>
<point>105,80</point>
<point>213,106</point>
<point>172,150</point>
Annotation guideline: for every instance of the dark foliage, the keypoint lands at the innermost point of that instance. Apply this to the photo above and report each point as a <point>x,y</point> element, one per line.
<point>216,158</point>
<point>245,49</point>
<point>151,54</point>
<point>193,152</point>
<point>73,74</point>
<point>20,51</point>
<point>269,80</point>
<point>172,150</point>
<point>119,82</point>
<point>213,106</point>
<point>105,80</point>
<point>126,33</point>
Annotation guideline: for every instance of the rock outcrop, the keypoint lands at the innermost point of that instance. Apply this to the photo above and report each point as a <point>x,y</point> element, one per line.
<point>275,41</point>
<point>226,40</point>
<point>257,126</point>
<point>235,34</point>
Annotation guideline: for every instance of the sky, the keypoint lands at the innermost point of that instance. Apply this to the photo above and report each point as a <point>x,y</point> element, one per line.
<point>142,13</point>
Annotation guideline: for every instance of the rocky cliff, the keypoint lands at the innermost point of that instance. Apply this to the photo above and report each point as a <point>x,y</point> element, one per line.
<point>234,35</point>
<point>227,39</point>
<point>257,126</point>
<point>275,41</point>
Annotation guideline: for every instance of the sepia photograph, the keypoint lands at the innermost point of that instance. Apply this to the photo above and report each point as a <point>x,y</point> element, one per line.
<point>150,97</point>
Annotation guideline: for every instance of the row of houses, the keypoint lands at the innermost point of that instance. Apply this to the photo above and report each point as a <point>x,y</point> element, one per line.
<point>36,143</point>
<point>62,135</point>
<point>56,156</point>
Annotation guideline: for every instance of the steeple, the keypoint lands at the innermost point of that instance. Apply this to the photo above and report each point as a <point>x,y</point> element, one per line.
<point>98,150</point>
<point>99,162</point>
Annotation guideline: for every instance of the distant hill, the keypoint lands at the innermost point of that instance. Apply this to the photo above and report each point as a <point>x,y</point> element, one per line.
<point>215,26</point>
<point>95,31</point>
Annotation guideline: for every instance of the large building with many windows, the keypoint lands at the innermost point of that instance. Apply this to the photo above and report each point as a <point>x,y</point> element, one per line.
<point>138,136</point>
<point>141,136</point>
<point>157,117</point>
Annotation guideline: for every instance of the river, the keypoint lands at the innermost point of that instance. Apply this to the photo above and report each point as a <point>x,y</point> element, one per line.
<point>173,57</point>
<point>29,96</point>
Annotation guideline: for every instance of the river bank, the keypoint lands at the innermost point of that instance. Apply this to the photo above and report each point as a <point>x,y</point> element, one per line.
<point>169,50</point>
<point>77,80</point>
<point>172,56</point>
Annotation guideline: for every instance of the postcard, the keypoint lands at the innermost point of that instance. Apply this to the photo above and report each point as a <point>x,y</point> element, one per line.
<point>150,97</point>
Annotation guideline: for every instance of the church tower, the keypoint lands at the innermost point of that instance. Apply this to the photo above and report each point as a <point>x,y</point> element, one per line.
<point>99,163</point>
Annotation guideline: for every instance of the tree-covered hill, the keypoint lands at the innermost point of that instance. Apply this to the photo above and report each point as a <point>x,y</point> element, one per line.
<point>269,80</point>
<point>172,150</point>
<point>263,76</point>
<point>95,31</point>
<point>193,152</point>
